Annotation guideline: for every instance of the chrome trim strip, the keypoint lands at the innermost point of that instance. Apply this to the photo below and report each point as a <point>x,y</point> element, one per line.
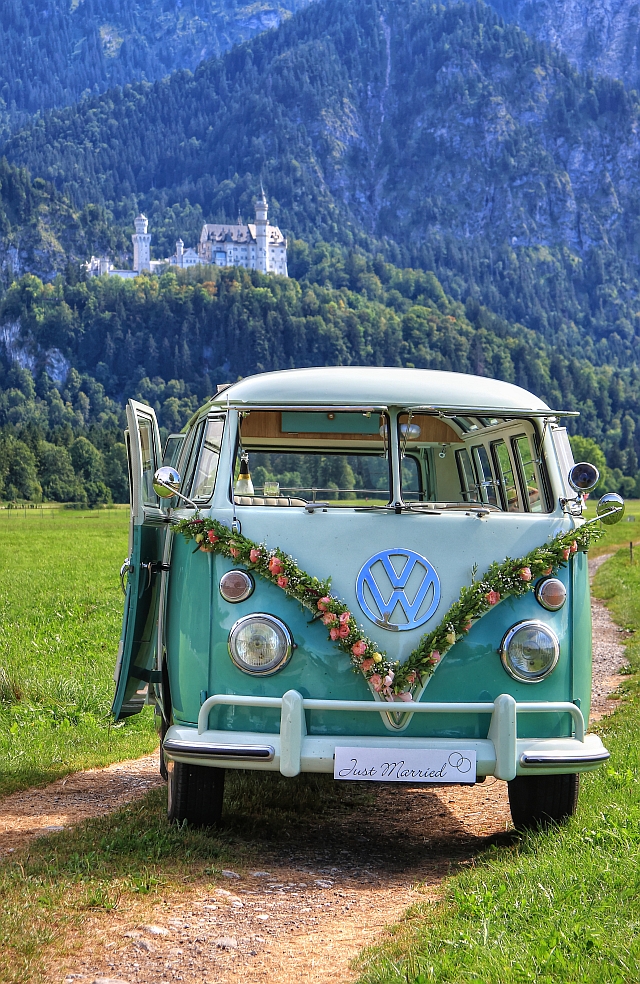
<point>557,758</point>
<point>265,753</point>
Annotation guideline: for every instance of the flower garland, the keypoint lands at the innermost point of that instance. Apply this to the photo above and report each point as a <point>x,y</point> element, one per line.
<point>394,681</point>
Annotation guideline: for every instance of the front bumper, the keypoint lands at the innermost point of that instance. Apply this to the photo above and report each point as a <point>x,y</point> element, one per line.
<point>502,754</point>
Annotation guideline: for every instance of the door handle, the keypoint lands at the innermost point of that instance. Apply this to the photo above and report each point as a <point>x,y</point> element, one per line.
<point>127,568</point>
<point>153,567</point>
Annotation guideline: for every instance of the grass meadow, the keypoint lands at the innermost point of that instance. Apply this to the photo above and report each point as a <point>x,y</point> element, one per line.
<point>556,907</point>
<point>60,618</point>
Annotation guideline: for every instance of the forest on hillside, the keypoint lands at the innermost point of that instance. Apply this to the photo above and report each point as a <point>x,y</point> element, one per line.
<point>438,136</point>
<point>55,52</point>
<point>168,340</point>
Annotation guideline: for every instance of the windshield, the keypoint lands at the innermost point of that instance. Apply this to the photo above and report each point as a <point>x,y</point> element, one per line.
<point>343,458</point>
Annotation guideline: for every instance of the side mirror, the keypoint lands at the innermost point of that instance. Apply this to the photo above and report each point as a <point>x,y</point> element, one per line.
<point>166,482</point>
<point>583,477</point>
<point>610,509</point>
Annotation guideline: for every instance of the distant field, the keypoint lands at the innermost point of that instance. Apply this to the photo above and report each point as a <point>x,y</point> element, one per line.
<point>60,617</point>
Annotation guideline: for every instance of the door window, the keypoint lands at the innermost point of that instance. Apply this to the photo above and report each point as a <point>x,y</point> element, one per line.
<point>145,429</point>
<point>204,477</point>
<point>534,497</point>
<point>504,470</point>
<point>488,488</point>
<point>468,481</point>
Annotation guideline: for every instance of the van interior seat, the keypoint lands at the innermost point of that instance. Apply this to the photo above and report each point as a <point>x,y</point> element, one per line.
<point>268,500</point>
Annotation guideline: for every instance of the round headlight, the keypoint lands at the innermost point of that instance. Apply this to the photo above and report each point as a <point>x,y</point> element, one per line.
<point>530,651</point>
<point>236,586</point>
<point>260,644</point>
<point>551,593</point>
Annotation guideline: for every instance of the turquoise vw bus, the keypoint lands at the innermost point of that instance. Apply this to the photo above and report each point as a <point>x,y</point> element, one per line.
<point>375,573</point>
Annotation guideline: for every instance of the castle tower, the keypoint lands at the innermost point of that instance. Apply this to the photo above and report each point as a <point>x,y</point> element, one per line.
<point>179,252</point>
<point>262,257</point>
<point>141,245</point>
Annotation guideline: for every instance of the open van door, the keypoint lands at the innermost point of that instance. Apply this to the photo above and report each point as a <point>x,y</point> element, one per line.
<point>136,666</point>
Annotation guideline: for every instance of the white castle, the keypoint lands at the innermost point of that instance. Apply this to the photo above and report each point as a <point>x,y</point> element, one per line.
<point>256,246</point>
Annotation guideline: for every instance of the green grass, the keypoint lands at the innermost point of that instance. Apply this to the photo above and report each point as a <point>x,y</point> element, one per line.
<point>60,617</point>
<point>556,907</point>
<point>623,532</point>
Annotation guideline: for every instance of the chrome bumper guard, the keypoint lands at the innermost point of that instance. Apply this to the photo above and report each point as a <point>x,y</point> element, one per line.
<point>502,754</point>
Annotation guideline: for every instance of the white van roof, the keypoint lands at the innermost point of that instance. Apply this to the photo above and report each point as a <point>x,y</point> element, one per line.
<point>379,386</point>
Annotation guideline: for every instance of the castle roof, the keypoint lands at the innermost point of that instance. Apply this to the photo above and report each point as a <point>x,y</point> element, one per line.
<point>240,234</point>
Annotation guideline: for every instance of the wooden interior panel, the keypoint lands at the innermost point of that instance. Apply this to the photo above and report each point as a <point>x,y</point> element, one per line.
<point>267,424</point>
<point>432,429</point>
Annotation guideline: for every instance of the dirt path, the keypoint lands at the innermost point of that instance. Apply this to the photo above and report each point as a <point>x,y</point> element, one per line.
<point>318,899</point>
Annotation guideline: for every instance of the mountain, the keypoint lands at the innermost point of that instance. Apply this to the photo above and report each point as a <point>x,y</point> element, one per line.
<point>54,52</point>
<point>41,232</point>
<point>601,36</point>
<point>437,136</point>
<point>168,340</point>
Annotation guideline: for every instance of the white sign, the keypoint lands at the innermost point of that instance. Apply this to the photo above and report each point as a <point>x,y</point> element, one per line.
<point>404,765</point>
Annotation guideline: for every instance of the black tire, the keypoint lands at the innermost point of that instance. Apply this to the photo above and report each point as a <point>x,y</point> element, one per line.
<point>195,794</point>
<point>538,801</point>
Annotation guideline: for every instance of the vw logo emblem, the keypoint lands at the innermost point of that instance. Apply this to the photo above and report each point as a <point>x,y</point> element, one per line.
<point>398,589</point>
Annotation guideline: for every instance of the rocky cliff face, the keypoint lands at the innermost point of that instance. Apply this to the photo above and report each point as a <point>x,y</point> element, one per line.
<point>598,35</point>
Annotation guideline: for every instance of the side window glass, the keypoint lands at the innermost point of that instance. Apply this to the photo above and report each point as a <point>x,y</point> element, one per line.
<point>489,492</point>
<point>172,449</point>
<point>411,484</point>
<point>205,474</point>
<point>468,480</point>
<point>530,474</point>
<point>504,468</point>
<point>146,444</point>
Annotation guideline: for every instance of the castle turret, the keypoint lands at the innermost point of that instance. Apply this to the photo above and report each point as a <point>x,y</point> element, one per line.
<point>179,252</point>
<point>141,245</point>
<point>262,258</point>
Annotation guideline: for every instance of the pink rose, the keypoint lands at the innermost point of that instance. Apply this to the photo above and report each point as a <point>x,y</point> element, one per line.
<point>574,547</point>
<point>234,551</point>
<point>211,537</point>
<point>359,648</point>
<point>344,618</point>
<point>493,597</point>
<point>411,677</point>
<point>566,553</point>
<point>276,566</point>
<point>525,574</point>
<point>344,631</point>
<point>334,633</point>
<point>468,626</point>
<point>329,618</point>
<point>367,664</point>
<point>254,555</point>
<point>322,604</point>
<point>388,680</point>
<point>405,696</point>
<point>376,682</point>
<point>547,570</point>
<point>435,656</point>
<point>282,581</point>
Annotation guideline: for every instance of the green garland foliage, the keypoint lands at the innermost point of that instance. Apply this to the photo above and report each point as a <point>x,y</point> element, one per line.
<point>393,680</point>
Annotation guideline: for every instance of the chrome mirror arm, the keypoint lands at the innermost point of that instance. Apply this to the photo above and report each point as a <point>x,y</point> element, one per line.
<point>165,485</point>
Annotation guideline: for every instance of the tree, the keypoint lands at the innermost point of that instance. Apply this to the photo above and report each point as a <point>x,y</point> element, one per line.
<point>56,473</point>
<point>18,473</point>
<point>586,449</point>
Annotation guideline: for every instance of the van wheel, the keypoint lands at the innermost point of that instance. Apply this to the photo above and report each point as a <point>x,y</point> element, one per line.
<point>195,794</point>
<point>537,801</point>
